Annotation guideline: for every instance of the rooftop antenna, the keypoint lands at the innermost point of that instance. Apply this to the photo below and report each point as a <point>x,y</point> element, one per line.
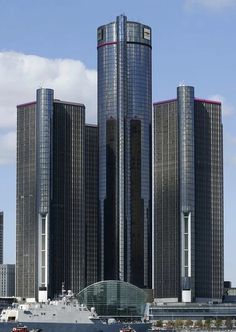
<point>40,86</point>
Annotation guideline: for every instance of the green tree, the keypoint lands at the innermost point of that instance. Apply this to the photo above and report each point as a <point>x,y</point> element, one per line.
<point>170,323</point>
<point>229,323</point>
<point>188,323</point>
<point>199,324</point>
<point>178,323</point>
<point>218,322</point>
<point>158,323</point>
<point>207,324</point>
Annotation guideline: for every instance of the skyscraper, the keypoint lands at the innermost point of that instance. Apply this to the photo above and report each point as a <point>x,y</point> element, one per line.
<point>26,225</point>
<point>51,202</point>
<point>188,198</point>
<point>91,203</point>
<point>1,237</point>
<point>124,119</point>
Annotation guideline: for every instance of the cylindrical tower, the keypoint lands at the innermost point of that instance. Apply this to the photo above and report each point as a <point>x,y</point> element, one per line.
<point>185,96</point>
<point>124,118</point>
<point>44,113</point>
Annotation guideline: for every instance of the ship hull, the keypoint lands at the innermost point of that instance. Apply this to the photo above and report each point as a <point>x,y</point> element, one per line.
<point>74,327</point>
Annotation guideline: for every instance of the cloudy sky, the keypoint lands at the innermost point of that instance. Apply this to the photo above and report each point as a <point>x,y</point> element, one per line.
<point>52,43</point>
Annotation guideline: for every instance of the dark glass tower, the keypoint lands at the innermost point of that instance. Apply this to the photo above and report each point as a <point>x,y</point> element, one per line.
<point>209,214</point>
<point>53,208</point>
<point>124,118</point>
<point>188,198</point>
<point>26,220</point>
<point>1,237</point>
<point>91,203</point>
<point>166,228</point>
<point>67,204</point>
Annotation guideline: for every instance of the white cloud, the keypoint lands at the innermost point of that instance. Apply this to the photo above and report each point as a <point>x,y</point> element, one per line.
<point>210,4</point>
<point>227,108</point>
<point>21,75</point>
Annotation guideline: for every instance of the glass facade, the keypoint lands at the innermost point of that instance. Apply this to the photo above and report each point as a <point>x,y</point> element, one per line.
<point>1,237</point>
<point>91,203</point>
<point>115,299</point>
<point>209,237</point>
<point>26,220</point>
<point>44,114</point>
<point>193,311</point>
<point>124,118</point>
<point>51,227</point>
<point>44,118</point>
<point>166,202</point>
<point>188,198</point>
<point>67,227</point>
<point>185,100</point>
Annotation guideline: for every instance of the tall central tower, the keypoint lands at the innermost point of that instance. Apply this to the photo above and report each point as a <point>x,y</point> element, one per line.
<point>124,118</point>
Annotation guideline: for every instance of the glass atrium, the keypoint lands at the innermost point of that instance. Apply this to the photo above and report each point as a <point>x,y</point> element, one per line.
<point>114,298</point>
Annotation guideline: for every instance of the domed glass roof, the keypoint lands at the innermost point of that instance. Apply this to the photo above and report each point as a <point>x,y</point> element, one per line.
<point>114,298</point>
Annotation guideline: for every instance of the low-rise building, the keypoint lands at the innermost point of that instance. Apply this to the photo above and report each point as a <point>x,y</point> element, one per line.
<point>7,280</point>
<point>192,311</point>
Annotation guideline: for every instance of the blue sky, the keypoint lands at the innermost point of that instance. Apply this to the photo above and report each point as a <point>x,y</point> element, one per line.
<point>52,43</point>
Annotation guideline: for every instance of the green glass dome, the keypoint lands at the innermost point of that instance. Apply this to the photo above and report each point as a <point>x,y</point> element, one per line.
<point>114,298</point>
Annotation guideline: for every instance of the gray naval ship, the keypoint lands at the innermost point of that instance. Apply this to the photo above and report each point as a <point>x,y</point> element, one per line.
<point>63,315</point>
